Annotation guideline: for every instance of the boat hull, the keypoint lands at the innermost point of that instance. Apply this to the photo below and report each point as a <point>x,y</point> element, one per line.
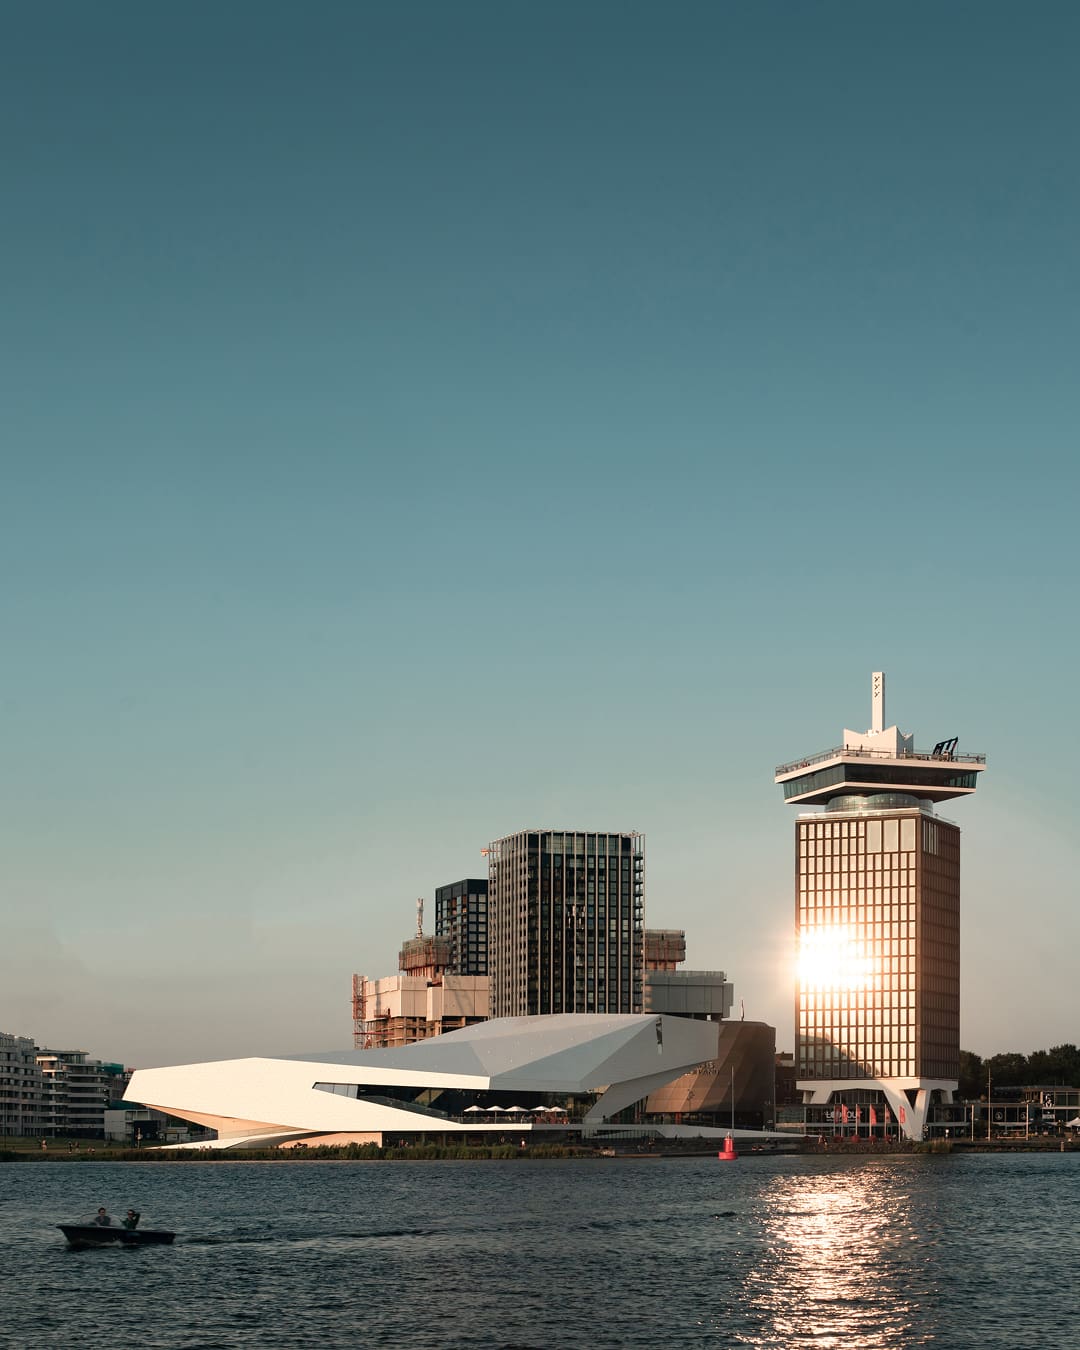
<point>101,1235</point>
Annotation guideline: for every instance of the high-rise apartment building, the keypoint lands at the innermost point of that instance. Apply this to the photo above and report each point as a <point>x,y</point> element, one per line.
<point>566,922</point>
<point>461,918</point>
<point>877,920</point>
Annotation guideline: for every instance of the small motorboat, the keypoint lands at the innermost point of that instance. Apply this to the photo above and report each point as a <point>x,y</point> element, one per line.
<point>112,1234</point>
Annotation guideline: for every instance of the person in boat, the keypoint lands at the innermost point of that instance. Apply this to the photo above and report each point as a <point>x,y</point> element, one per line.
<point>102,1217</point>
<point>131,1218</point>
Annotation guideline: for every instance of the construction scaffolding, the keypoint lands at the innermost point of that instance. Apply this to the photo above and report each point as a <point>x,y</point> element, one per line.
<point>665,948</point>
<point>426,956</point>
<point>400,1009</point>
<point>424,999</point>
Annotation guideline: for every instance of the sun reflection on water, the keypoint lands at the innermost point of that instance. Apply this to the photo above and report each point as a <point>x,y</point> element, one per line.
<point>831,1276</point>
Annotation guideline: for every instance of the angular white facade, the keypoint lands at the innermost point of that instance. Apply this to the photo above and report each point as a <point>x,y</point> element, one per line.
<point>269,1101</point>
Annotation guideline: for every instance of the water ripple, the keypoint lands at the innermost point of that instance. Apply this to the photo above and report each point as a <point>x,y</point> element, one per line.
<point>868,1254</point>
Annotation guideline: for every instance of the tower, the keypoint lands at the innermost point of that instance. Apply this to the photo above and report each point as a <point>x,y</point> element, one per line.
<point>461,917</point>
<point>566,922</point>
<point>877,921</point>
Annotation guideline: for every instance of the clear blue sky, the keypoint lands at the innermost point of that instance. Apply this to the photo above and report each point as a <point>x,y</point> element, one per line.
<point>423,421</point>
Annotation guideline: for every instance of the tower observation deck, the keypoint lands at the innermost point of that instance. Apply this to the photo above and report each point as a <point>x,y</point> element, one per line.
<point>879,761</point>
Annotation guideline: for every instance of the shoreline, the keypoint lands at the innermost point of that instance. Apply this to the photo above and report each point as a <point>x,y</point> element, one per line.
<point>424,1152</point>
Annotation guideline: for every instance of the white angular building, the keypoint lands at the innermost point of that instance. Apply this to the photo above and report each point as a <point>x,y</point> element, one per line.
<point>451,1084</point>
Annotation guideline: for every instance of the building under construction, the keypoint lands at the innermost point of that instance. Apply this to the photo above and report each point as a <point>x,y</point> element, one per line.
<point>665,948</point>
<point>424,999</point>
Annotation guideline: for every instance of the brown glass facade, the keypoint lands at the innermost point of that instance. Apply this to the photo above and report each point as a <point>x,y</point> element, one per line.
<point>877,920</point>
<point>566,923</point>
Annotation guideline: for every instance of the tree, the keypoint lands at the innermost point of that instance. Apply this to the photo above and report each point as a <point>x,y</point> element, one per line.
<point>972,1074</point>
<point>1058,1066</point>
<point>1063,1065</point>
<point>1008,1070</point>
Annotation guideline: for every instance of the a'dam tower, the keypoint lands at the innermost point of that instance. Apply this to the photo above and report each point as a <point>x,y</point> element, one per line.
<point>877,924</point>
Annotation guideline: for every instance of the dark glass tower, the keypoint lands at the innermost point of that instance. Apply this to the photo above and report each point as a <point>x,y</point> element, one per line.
<point>461,917</point>
<point>877,919</point>
<point>566,922</point>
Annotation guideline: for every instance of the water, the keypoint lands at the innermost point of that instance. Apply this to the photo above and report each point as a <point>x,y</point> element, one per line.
<point>952,1252</point>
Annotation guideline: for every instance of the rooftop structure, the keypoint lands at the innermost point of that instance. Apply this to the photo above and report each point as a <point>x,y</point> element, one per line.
<point>881,760</point>
<point>704,994</point>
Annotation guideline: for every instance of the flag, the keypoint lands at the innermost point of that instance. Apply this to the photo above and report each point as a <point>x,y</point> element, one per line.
<point>873,1115</point>
<point>843,1113</point>
<point>903,1116</point>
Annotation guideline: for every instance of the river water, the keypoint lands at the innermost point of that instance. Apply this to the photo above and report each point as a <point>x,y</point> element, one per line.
<point>863,1253</point>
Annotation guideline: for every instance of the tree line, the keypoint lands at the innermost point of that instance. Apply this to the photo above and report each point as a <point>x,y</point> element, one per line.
<point>1057,1067</point>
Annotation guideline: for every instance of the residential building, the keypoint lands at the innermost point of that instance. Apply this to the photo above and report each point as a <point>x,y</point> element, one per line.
<point>22,1089</point>
<point>877,917</point>
<point>461,918</point>
<point>78,1090</point>
<point>566,922</point>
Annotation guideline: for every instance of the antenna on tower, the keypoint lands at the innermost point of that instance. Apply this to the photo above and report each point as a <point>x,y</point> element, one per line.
<point>419,916</point>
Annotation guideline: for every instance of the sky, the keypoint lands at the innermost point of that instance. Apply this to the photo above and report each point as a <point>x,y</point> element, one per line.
<point>422,422</point>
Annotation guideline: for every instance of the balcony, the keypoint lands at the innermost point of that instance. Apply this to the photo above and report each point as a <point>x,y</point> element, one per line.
<point>841,753</point>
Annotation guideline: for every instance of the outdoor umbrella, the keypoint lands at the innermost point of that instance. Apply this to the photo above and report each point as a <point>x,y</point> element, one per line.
<point>515,1110</point>
<point>500,1109</point>
<point>1074,1123</point>
<point>469,1110</point>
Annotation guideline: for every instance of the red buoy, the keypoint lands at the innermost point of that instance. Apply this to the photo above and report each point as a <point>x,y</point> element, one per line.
<point>727,1153</point>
